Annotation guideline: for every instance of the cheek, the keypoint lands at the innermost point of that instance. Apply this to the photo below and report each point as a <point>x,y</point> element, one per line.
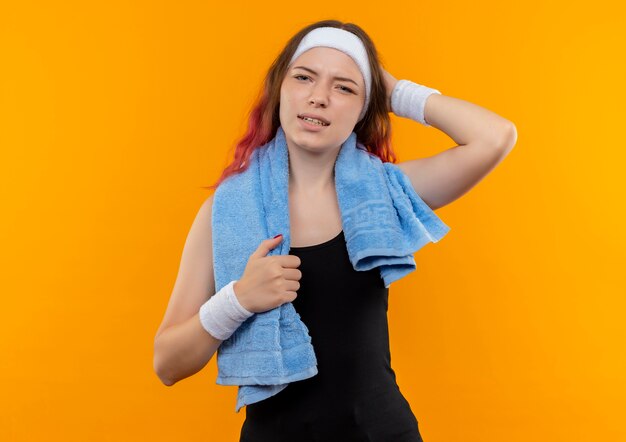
<point>285,107</point>
<point>286,98</point>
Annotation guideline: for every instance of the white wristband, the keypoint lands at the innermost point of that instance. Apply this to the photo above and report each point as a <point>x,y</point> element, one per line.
<point>222,314</point>
<point>408,99</point>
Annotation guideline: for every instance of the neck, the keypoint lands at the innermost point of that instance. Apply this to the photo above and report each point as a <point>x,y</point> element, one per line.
<point>311,174</point>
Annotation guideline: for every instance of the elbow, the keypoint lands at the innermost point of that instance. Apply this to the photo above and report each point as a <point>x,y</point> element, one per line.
<point>508,137</point>
<point>167,382</point>
<point>160,372</point>
<point>160,369</point>
<point>163,376</point>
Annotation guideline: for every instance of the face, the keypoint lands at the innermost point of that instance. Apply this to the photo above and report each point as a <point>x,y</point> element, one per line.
<point>325,82</point>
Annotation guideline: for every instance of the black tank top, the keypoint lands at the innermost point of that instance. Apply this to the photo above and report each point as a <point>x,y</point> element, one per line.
<point>354,396</point>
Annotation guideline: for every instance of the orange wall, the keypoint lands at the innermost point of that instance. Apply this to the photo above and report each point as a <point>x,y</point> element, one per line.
<point>112,117</point>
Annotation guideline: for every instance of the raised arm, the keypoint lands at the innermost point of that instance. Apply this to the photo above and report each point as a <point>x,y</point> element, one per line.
<point>484,139</point>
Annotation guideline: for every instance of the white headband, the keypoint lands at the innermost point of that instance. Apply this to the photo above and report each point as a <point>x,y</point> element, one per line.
<point>344,41</point>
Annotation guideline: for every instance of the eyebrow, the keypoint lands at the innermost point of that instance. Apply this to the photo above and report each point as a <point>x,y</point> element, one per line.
<point>335,78</point>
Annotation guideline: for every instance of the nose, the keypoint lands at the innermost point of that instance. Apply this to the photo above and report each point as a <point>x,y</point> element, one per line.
<point>319,96</point>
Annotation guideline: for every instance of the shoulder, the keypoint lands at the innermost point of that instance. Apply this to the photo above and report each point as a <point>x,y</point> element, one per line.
<point>205,213</point>
<point>207,205</point>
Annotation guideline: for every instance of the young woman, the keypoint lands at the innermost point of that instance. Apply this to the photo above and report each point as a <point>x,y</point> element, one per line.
<point>324,85</point>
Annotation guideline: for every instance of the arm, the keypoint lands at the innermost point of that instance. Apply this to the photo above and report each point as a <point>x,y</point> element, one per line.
<point>182,347</point>
<point>484,139</point>
<point>461,120</point>
<point>182,350</point>
<point>467,122</point>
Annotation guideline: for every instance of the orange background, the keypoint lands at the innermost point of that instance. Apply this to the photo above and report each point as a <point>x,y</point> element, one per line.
<point>113,115</point>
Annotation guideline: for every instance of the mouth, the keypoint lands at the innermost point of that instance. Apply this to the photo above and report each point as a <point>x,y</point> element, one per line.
<point>317,121</point>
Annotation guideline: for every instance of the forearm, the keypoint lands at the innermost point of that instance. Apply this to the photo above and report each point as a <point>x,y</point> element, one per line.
<point>465,122</point>
<point>182,350</point>
<point>461,120</point>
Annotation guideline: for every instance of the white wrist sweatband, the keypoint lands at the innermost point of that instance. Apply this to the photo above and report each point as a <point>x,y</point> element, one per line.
<point>222,314</point>
<point>408,99</point>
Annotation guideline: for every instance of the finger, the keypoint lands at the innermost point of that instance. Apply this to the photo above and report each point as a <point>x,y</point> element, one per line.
<point>265,246</point>
<point>292,274</point>
<point>288,261</point>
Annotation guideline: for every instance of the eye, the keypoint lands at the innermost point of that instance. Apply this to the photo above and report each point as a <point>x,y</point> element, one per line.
<point>347,89</point>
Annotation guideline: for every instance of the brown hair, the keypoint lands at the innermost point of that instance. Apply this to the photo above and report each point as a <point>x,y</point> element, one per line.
<point>373,131</point>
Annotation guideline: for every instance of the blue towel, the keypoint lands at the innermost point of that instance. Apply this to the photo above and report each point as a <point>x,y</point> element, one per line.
<point>384,222</point>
